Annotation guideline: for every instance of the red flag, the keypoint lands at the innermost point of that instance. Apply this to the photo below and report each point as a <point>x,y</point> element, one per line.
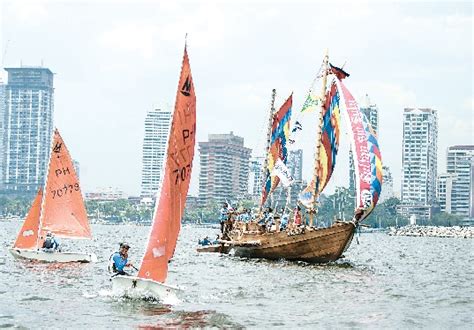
<point>340,73</point>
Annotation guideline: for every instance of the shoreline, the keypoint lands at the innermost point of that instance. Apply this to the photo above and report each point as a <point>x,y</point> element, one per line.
<point>433,231</point>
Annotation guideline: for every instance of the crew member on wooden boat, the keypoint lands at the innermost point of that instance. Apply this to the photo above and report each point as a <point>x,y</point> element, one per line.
<point>269,220</point>
<point>246,216</point>
<point>119,260</point>
<point>50,243</point>
<point>297,215</point>
<point>224,215</point>
<point>284,219</point>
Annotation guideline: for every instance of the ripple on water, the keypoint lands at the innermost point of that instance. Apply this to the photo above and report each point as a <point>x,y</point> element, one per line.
<point>36,298</point>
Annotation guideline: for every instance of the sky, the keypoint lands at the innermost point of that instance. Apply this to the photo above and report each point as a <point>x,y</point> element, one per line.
<point>114,60</point>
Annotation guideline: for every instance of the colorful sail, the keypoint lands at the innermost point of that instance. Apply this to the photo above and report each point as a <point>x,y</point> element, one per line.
<point>366,154</point>
<point>28,236</point>
<point>328,147</point>
<point>177,175</point>
<point>278,147</point>
<point>63,210</point>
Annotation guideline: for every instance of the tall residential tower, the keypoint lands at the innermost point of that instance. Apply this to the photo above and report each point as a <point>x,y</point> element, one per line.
<point>456,189</point>
<point>419,162</point>
<point>224,168</point>
<point>27,128</point>
<point>157,127</point>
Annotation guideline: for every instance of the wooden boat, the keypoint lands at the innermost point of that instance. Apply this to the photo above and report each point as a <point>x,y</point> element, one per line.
<point>308,243</point>
<point>169,208</point>
<point>59,208</point>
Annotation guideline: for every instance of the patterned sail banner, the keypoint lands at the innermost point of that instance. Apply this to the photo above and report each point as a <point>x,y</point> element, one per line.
<point>329,139</point>
<point>278,147</point>
<point>328,147</point>
<point>367,158</point>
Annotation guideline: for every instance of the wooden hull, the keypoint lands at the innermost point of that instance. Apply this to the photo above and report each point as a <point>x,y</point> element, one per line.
<point>218,248</point>
<point>315,245</point>
<point>140,288</point>
<point>40,255</point>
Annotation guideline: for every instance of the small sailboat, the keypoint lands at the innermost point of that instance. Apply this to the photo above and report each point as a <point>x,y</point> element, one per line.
<point>307,242</point>
<point>170,202</point>
<point>59,209</point>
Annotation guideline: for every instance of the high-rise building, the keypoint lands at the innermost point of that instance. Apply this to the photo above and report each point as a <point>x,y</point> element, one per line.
<point>295,164</point>
<point>419,162</point>
<point>27,128</point>
<point>224,168</point>
<point>444,191</point>
<point>460,160</point>
<point>157,127</point>
<point>371,112</point>
<point>2,121</point>
<point>387,185</point>
<point>255,177</point>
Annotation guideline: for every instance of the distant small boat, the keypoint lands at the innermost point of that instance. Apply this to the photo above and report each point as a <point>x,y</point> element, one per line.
<point>59,208</point>
<point>169,208</point>
<point>216,248</point>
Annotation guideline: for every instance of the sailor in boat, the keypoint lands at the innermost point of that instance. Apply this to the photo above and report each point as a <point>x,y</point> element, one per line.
<point>205,241</point>
<point>284,219</point>
<point>269,219</point>
<point>224,215</point>
<point>119,260</point>
<point>50,243</point>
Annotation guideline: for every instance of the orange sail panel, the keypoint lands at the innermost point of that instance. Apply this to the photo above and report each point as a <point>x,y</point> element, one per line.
<point>64,212</point>
<point>172,197</point>
<point>29,231</point>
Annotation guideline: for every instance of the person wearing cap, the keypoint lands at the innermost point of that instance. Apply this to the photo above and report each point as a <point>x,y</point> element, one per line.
<point>119,260</point>
<point>50,243</point>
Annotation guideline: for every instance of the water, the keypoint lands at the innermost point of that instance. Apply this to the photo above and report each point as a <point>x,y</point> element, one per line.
<point>385,281</point>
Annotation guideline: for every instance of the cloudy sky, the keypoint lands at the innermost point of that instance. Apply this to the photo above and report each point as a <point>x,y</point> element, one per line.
<point>114,60</point>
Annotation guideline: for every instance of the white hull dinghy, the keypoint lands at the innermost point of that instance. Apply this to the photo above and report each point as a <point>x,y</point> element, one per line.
<point>57,209</point>
<point>53,256</point>
<point>135,287</point>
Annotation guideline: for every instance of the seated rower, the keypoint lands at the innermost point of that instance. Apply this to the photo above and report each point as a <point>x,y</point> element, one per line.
<point>50,244</point>
<point>119,260</point>
<point>205,241</point>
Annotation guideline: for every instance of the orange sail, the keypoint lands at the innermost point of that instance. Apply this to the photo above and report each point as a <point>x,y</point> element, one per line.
<point>174,189</point>
<point>63,210</point>
<point>28,235</point>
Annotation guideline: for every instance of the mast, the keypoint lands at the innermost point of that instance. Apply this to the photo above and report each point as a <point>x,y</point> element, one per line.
<point>43,198</point>
<point>267,147</point>
<point>322,98</point>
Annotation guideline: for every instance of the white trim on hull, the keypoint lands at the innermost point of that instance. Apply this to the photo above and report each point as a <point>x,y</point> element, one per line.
<point>140,288</point>
<point>41,255</point>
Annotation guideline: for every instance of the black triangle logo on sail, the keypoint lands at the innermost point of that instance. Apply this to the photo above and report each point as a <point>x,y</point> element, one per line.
<point>186,89</point>
<point>57,147</point>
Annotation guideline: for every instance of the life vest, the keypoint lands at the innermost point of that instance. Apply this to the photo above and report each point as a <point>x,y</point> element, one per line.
<point>48,243</point>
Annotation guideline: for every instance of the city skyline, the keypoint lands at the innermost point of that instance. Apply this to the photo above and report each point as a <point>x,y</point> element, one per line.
<point>114,70</point>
